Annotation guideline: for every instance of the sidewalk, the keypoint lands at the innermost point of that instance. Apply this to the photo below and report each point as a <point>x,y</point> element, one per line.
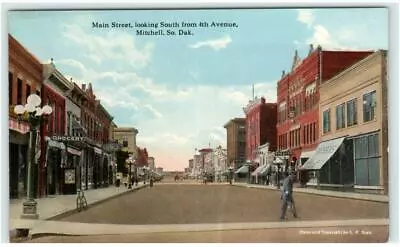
<point>350,195</point>
<point>49,207</point>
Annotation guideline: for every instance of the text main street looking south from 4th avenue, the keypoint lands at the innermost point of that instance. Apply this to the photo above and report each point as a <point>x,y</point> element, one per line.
<point>163,28</point>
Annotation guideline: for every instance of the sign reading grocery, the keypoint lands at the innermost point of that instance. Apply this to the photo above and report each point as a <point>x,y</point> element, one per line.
<point>68,138</point>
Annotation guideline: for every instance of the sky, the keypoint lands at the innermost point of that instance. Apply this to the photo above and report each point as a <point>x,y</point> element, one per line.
<point>180,90</point>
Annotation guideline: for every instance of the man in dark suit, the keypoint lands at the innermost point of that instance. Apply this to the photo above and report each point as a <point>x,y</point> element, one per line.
<point>287,195</point>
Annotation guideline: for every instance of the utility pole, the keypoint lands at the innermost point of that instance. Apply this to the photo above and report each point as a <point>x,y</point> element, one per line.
<point>253,92</point>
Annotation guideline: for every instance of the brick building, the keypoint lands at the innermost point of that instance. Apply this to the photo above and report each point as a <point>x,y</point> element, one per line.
<point>354,119</point>
<point>236,142</point>
<point>260,126</point>
<point>298,99</point>
<point>54,158</point>
<point>97,121</point>
<point>24,78</point>
<point>126,136</point>
<point>206,160</point>
<point>104,120</point>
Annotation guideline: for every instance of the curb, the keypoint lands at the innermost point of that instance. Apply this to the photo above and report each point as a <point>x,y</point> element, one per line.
<point>316,194</point>
<point>72,211</point>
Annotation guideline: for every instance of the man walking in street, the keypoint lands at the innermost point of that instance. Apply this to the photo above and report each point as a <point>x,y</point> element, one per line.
<point>287,196</point>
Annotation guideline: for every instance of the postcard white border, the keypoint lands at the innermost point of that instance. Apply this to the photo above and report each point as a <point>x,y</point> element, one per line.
<point>393,87</point>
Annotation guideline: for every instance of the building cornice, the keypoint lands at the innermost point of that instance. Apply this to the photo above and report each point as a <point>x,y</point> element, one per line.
<point>126,129</point>
<point>104,110</point>
<point>235,120</point>
<point>364,63</point>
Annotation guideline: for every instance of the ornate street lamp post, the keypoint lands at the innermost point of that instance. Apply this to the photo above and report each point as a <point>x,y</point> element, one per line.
<point>130,162</point>
<point>35,116</point>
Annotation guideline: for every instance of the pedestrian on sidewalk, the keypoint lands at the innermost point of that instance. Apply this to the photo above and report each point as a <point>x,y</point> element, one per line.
<point>287,195</point>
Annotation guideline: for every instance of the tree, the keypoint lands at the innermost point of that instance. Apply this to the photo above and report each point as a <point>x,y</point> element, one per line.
<point>142,156</point>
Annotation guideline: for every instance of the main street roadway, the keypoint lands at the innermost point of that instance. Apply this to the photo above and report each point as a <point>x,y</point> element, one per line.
<point>183,203</point>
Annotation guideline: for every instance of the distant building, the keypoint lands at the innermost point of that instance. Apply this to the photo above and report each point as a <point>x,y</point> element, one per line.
<point>126,136</point>
<point>191,163</point>
<point>197,165</point>
<point>220,163</point>
<point>150,163</point>
<point>260,126</point>
<point>236,142</point>
<point>160,170</point>
<point>206,160</point>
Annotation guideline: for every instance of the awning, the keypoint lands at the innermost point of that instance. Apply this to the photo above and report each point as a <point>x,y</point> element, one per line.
<point>74,151</point>
<point>265,169</point>
<point>243,169</point>
<point>277,161</point>
<point>323,153</point>
<point>97,150</point>
<point>258,170</point>
<point>20,127</point>
<point>54,144</point>
<point>307,154</point>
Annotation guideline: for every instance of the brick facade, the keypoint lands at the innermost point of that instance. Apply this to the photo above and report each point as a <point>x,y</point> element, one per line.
<point>260,128</point>
<point>25,73</point>
<point>298,97</point>
<point>236,141</point>
<point>24,78</point>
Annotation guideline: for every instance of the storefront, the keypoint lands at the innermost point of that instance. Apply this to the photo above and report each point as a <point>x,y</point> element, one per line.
<point>367,159</point>
<point>55,161</point>
<point>97,168</point>
<point>18,158</point>
<point>332,164</point>
<point>72,170</point>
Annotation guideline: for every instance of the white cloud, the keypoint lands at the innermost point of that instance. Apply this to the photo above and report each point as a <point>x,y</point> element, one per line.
<point>113,46</point>
<point>323,37</point>
<point>331,36</point>
<point>215,44</point>
<point>306,16</point>
<point>156,113</point>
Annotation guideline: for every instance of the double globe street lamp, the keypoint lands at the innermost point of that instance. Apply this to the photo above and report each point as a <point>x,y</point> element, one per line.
<point>35,116</point>
<point>130,162</point>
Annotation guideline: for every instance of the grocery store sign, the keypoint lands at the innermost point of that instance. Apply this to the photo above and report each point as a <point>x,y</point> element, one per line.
<point>68,138</point>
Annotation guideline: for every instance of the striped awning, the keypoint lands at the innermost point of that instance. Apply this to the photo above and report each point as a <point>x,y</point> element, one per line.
<point>258,170</point>
<point>242,169</point>
<point>20,127</point>
<point>265,169</point>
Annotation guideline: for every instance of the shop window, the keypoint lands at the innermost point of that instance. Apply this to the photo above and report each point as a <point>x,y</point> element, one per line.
<point>369,105</point>
<point>366,156</point>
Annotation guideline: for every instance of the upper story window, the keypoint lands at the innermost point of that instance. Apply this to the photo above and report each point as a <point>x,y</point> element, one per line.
<point>340,116</point>
<point>28,91</point>
<point>351,112</point>
<point>326,121</point>
<point>125,142</point>
<point>369,105</point>
<point>19,91</point>
<point>10,88</point>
